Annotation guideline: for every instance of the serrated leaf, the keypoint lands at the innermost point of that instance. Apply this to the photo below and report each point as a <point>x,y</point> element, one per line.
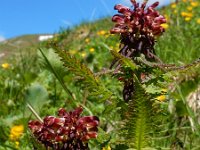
<point>90,82</point>
<point>138,122</point>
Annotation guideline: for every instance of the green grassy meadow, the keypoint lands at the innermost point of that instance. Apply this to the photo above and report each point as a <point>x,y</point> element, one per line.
<point>32,73</point>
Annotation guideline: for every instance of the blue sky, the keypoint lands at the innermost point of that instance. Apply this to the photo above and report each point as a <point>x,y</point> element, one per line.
<point>19,17</point>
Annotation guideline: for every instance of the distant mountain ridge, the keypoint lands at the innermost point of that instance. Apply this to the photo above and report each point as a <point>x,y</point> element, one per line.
<point>10,46</point>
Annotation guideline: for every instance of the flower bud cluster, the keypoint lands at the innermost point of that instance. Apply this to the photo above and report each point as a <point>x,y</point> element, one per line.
<point>139,21</point>
<point>68,131</point>
<point>138,28</point>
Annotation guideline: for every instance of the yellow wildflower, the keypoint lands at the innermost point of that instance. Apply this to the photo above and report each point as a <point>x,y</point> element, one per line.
<point>101,32</point>
<point>187,19</point>
<point>5,65</point>
<point>173,5</point>
<point>183,14</point>
<point>161,98</point>
<point>198,20</point>
<point>186,14</point>
<point>83,54</point>
<point>91,50</point>
<point>189,8</point>
<point>184,1</point>
<point>194,4</point>
<point>164,25</point>
<point>87,40</point>
<point>16,132</point>
<point>106,148</point>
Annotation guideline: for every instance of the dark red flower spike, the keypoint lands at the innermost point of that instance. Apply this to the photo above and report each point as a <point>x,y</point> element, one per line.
<point>138,28</point>
<point>68,131</point>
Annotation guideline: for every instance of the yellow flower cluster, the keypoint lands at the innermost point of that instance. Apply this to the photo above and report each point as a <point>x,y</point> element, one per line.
<point>188,15</point>
<point>101,32</point>
<point>16,132</point>
<point>194,4</point>
<point>173,6</point>
<point>5,65</point>
<point>82,54</point>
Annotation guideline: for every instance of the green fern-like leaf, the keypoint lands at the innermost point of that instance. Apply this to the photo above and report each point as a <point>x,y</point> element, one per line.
<point>138,120</point>
<point>90,82</point>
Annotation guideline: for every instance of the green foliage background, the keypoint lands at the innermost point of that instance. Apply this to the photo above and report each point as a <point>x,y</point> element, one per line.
<point>36,75</point>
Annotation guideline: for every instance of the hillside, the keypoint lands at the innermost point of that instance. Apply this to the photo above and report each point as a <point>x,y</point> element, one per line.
<point>13,46</point>
<point>144,101</point>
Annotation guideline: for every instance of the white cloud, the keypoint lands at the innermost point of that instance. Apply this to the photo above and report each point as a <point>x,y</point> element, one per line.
<point>67,23</point>
<point>2,38</point>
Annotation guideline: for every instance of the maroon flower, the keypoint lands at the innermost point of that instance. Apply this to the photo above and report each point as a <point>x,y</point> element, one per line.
<point>137,28</point>
<point>68,131</point>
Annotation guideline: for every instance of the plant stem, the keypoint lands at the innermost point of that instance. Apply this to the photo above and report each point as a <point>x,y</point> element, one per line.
<point>34,112</point>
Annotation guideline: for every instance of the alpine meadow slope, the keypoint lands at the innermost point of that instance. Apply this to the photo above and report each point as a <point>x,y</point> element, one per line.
<point>85,88</point>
